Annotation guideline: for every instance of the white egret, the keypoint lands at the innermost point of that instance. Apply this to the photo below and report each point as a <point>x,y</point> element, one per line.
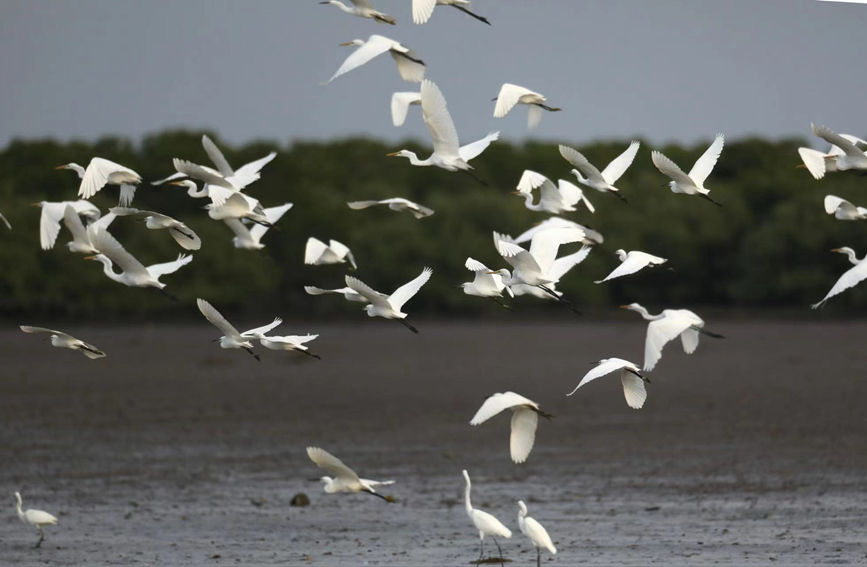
<point>630,377</point>
<point>850,278</point>
<point>667,326</point>
<point>289,342</point>
<point>423,9</point>
<point>532,267</point>
<point>552,198</point>
<point>409,65</point>
<point>82,237</point>
<point>35,518</point>
<point>52,214</point>
<point>601,181</point>
<point>400,103</point>
<point>250,238</point>
<point>72,166</point>
<point>347,292</point>
<point>631,262</point>
<point>525,417</point>
<point>317,253</point>
<point>843,209</point>
<point>559,268</point>
<point>214,179</point>
<point>134,273</point>
<point>486,523</point>
<point>224,175</point>
<point>851,157</point>
<point>183,235</point>
<point>62,340</point>
<point>344,478</point>
<point>591,237</point>
<point>536,532</point>
<point>395,204</point>
<point>362,9</point>
<point>486,283</point>
<point>226,203</point>
<point>448,153</point>
<point>232,338</point>
<point>692,183</point>
<point>818,163</point>
<point>510,95</point>
<point>101,172</point>
<point>389,306</point>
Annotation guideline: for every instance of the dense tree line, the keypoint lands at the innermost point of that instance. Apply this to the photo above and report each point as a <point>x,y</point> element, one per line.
<point>767,246</point>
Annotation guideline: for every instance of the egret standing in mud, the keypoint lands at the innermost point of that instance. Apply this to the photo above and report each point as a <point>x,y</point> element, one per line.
<point>486,523</point>
<point>36,518</point>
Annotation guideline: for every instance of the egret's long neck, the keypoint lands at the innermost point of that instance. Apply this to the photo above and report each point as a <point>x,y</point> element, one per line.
<point>643,312</point>
<point>108,267</point>
<point>413,159</point>
<point>18,507</point>
<point>580,177</point>
<point>342,6</point>
<point>467,502</point>
<point>77,169</point>
<point>528,201</point>
<point>852,258</point>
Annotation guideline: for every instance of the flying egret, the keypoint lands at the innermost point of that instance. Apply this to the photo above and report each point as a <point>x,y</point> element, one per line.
<point>818,163</point>
<point>250,238</point>
<point>232,338</point>
<point>552,198</point>
<point>213,178</point>
<point>36,518</point>
<point>510,95</point>
<point>183,235</point>
<point>289,342</point>
<point>389,307</point>
<point>486,523</point>
<point>134,273</point>
<point>62,340</point>
<point>630,377</point>
<point>448,153</point>
<point>559,268</point>
<point>72,166</point>
<point>226,203</point>
<point>423,9</point>
<point>631,262</point>
<point>362,9</point>
<point>692,183</point>
<point>591,237</point>
<point>536,532</point>
<point>347,292</point>
<point>395,204</point>
<point>409,65</point>
<point>525,417</point>
<point>850,277</point>
<point>601,181</point>
<point>317,253</point>
<point>344,478</point>
<point>101,172</point>
<point>851,157</point>
<point>52,214</point>
<point>82,237</point>
<point>400,103</point>
<point>485,283</point>
<point>843,209</point>
<point>667,326</point>
<point>224,174</point>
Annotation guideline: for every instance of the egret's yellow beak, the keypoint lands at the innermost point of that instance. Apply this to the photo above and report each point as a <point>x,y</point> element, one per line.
<point>392,154</point>
<point>90,257</point>
<point>37,204</point>
<point>624,307</point>
<point>61,167</point>
<point>835,249</point>
<point>178,183</point>
<point>345,43</point>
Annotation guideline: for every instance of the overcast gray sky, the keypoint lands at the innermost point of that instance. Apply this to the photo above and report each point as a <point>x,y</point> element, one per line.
<point>663,69</point>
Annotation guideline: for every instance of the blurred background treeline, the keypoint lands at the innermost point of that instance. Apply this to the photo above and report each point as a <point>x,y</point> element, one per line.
<point>767,247</point>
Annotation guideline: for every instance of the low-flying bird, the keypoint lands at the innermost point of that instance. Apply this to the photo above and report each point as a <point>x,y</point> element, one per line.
<point>692,183</point>
<point>395,204</point>
<point>552,198</point>
<point>630,377</point>
<point>36,518</point>
<point>52,213</point>
<point>850,278</point>
<point>667,326</point>
<point>362,9</point>
<point>448,153</point>
<point>347,292</point>
<point>510,95</point>
<point>631,262</point>
<point>344,479</point>
<point>82,236</point>
<point>601,181</point>
<point>591,237</point>
<point>232,338</point>
<point>851,157</point>
<point>485,283</point>
<point>62,340</point>
<point>250,237</point>
<point>101,172</point>
<point>183,235</point>
<point>389,306</point>
<point>486,523</point>
<point>317,253</point>
<point>409,64</point>
<point>525,417</point>
<point>843,209</point>
<point>423,9</point>
<point>289,342</point>
<point>818,163</point>
<point>537,534</point>
<point>400,103</point>
<point>559,268</point>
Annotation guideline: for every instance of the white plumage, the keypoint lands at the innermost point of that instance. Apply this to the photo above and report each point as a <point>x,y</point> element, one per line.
<point>510,95</point>
<point>843,209</point>
<point>362,9</point>
<point>537,534</point>
<point>248,235</point>
<point>347,292</point>
<point>389,306</point>
<point>552,198</point>
<point>486,523</point>
<point>101,172</point>
<point>62,340</point>
<point>317,253</point>
<point>631,262</point>
<point>183,235</point>
<point>409,65</point>
<point>232,338</point>
<point>134,273</point>
<point>692,183</point>
<point>400,103</point>
<point>52,213</point>
<point>343,478</point>
<point>600,180</point>
<point>630,377</point>
<point>35,518</point>
<point>423,9</point>
<point>395,204</point>
<point>850,278</point>
<point>525,417</point>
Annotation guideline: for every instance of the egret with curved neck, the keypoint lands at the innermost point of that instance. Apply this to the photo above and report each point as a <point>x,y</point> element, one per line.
<point>486,523</point>
<point>850,278</point>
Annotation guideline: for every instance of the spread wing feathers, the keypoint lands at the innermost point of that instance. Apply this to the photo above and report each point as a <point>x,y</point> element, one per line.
<point>534,116</point>
<point>314,250</point>
<point>172,177</point>
<point>364,290</point>
<point>620,164</point>
<point>216,319</point>
<point>127,193</point>
<point>358,205</point>
<point>202,173</point>
<point>633,389</point>
<point>287,342</point>
<point>509,96</point>
<point>29,329</point>
<point>689,339</point>
<point>239,228</point>
<point>473,149</point>
<point>104,242</point>
<point>660,332</point>
<point>249,172</point>
<point>438,120</point>
<point>5,221</point>
<point>86,349</point>
<point>705,164</point>
<point>578,160</point>
<point>217,157</point>
<point>633,263</point>
<point>517,257</point>
<point>405,292</point>
<point>374,46</point>
<point>669,168</point>
<point>74,225</point>
<point>531,180</point>
<point>97,175</point>
<point>604,367</point>
<point>362,3</point>
<point>422,10</point>
<point>157,270</point>
<point>342,251</point>
<point>852,277</point>
<point>561,266</point>
<point>409,65</point>
<point>313,290</point>
<point>101,223</point>
<point>498,402</point>
<point>373,483</point>
<point>400,106</point>
<point>545,244</point>
<point>814,161</point>
<point>524,421</point>
<point>183,235</point>
<point>272,215</point>
<point>475,266</point>
<point>325,460</point>
<point>832,203</point>
<point>572,194</point>
<point>259,332</point>
<point>49,223</point>
<point>841,142</point>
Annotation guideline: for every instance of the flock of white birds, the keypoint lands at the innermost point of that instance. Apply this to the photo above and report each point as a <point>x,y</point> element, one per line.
<point>535,270</point>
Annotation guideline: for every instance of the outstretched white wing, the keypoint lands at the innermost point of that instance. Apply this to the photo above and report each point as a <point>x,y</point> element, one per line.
<point>836,139</point>
<point>561,266</point>
<point>705,164</point>
<point>358,205</point>
<point>516,256</point>
<point>545,245</point>
<point>578,160</point>
<point>97,173</point>
<point>633,389</point>
<point>634,262</point>
<point>74,225</point>
<point>325,460</point>
<point>400,106</point>
<point>438,120</point>
<point>272,215</point>
<point>249,172</point>
<point>531,180</point>
<point>620,164</point>
<point>29,329</point>
<point>814,161</point>
<point>475,266</point>
<point>217,157</point>
<point>670,169</point>
<point>364,290</point>
<point>202,173</point>
<point>604,367</point>
<point>473,149</point>
<point>342,251</point>
<point>660,332</point>
<point>216,319</point>
<point>375,45</point>
<point>405,292</point>
<point>103,241</point>
<point>158,270</point>
<point>498,402</point>
<point>422,10</point>
<point>509,96</point>
<point>259,332</point>
<point>314,250</point>
<point>850,278</point>
<point>832,203</point>
<point>524,422</point>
